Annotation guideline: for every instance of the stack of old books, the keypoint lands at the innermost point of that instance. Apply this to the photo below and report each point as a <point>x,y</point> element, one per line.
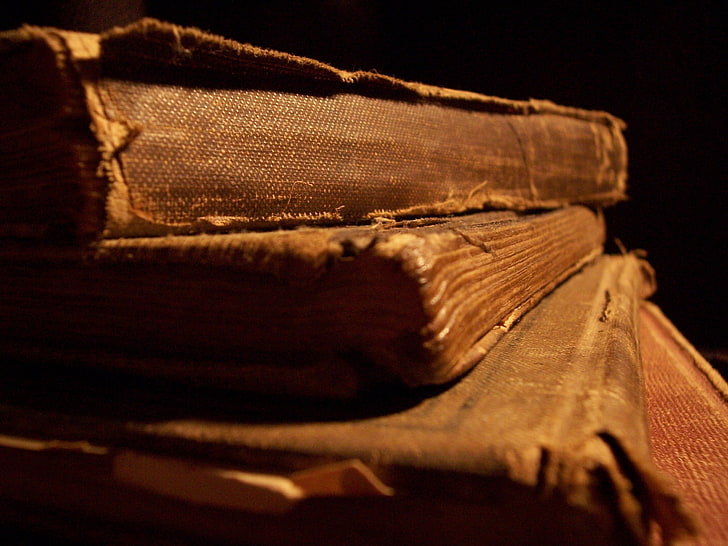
<point>250,297</point>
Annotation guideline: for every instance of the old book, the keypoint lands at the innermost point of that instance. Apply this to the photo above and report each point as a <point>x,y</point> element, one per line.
<point>156,129</point>
<point>544,442</point>
<point>332,311</point>
<point>688,410</point>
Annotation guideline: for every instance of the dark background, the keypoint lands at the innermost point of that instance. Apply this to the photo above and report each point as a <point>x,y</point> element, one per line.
<point>656,66</point>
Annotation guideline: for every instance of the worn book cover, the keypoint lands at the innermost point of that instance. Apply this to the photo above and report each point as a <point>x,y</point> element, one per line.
<point>545,441</point>
<point>154,129</point>
<point>688,409</point>
<point>329,311</point>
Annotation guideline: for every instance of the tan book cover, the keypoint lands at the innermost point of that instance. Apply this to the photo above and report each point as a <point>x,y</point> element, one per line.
<point>155,128</point>
<point>328,311</point>
<point>545,441</point>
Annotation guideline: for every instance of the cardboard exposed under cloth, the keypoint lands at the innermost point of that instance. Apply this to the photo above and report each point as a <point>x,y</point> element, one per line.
<point>545,441</point>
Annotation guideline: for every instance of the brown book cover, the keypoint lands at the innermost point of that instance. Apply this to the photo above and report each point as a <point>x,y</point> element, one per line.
<point>545,441</point>
<point>154,129</point>
<point>688,409</point>
<point>328,311</point>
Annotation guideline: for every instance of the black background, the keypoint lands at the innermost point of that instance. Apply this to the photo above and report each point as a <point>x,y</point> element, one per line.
<point>657,67</point>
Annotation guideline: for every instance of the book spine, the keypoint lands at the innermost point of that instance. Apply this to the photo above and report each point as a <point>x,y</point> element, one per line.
<point>191,133</point>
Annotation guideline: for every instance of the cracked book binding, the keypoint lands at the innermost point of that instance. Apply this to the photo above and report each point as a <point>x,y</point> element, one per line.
<point>155,129</point>
<point>325,311</point>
